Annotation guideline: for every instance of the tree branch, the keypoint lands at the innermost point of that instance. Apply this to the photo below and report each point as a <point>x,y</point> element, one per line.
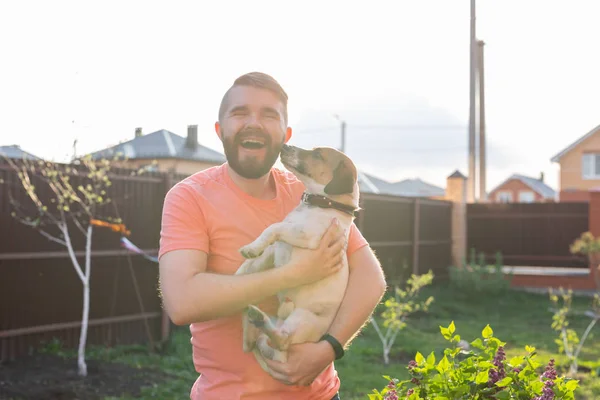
<point>65,231</point>
<point>78,224</point>
<point>41,231</point>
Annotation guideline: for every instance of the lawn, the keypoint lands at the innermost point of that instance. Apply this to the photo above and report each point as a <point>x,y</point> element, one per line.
<point>517,318</point>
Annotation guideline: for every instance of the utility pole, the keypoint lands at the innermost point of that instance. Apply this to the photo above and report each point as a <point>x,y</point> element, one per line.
<point>343,129</point>
<point>343,149</point>
<point>482,168</point>
<point>473,52</point>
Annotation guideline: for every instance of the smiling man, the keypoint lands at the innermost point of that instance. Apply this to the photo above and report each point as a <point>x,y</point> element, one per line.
<point>210,215</point>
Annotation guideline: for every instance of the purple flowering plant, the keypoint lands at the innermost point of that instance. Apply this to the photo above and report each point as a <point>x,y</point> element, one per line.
<point>478,370</point>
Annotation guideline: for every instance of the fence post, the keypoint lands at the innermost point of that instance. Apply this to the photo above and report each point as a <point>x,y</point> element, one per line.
<point>416,226</point>
<point>456,192</point>
<point>594,228</point>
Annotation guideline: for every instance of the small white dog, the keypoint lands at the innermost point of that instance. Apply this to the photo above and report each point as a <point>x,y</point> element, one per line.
<point>306,312</point>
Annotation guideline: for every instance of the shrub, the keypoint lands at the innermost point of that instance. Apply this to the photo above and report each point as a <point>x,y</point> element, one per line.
<point>399,308</point>
<point>478,370</point>
<point>477,276</point>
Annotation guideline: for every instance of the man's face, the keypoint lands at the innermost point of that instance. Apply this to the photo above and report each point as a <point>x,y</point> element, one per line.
<point>252,130</point>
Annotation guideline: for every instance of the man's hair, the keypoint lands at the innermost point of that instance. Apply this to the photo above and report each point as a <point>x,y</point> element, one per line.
<point>257,80</point>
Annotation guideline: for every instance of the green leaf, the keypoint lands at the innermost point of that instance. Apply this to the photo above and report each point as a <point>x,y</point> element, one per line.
<point>504,382</point>
<point>529,349</point>
<point>482,377</point>
<point>572,384</point>
<point>445,332</point>
<point>487,332</point>
<point>451,327</point>
<point>516,361</point>
<point>419,358</point>
<point>478,344</point>
<point>431,359</point>
<point>443,365</point>
<point>537,386</point>
<point>503,395</point>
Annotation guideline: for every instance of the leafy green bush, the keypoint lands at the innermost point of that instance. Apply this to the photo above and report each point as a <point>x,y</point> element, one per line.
<point>398,308</point>
<point>478,370</point>
<point>477,276</point>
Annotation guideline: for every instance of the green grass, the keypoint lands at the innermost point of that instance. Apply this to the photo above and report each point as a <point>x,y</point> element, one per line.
<point>517,318</point>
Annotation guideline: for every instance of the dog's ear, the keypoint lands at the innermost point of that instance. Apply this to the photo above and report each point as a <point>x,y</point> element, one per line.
<point>342,181</point>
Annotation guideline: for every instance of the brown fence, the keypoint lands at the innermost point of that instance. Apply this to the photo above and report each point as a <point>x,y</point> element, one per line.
<point>41,295</point>
<point>528,234</point>
<point>409,235</point>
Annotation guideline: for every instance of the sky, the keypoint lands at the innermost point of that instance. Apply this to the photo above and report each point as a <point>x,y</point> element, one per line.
<point>396,71</point>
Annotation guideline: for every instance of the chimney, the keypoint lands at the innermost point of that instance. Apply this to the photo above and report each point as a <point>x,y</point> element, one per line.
<point>191,142</point>
<point>542,176</point>
<point>138,132</point>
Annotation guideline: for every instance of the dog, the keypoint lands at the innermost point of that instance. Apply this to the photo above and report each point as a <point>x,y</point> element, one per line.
<point>306,312</point>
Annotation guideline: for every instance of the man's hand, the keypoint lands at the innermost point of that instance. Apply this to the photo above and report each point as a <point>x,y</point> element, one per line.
<point>305,362</point>
<point>313,265</point>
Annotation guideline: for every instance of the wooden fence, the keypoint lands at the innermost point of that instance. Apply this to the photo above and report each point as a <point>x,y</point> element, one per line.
<point>528,234</point>
<point>409,235</point>
<point>41,295</point>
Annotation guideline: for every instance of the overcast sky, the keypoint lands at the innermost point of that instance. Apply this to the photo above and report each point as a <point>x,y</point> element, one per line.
<point>396,71</point>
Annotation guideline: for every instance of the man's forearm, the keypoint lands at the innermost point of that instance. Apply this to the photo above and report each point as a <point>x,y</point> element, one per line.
<point>208,296</point>
<point>366,286</point>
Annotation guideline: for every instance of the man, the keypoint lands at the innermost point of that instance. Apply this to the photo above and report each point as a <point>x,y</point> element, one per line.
<point>210,215</point>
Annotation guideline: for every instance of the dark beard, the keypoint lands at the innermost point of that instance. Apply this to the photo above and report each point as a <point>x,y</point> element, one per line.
<point>250,168</point>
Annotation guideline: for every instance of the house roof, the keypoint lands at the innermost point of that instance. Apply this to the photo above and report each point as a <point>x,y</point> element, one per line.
<point>535,184</point>
<point>160,145</point>
<point>408,187</point>
<point>15,152</point>
<point>557,157</point>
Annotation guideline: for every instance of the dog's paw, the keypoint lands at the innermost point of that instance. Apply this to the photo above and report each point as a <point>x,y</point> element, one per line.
<point>249,252</point>
<point>255,317</point>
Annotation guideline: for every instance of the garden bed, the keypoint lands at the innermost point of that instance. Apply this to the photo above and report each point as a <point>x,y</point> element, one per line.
<point>52,377</point>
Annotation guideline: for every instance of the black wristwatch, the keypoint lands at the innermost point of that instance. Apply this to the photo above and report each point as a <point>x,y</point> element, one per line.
<point>337,347</point>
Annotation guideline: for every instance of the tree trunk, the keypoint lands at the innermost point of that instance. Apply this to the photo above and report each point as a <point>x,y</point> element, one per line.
<point>86,305</point>
<point>386,355</point>
<point>84,328</point>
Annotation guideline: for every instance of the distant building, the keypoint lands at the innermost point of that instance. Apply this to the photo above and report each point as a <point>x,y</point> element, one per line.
<point>15,152</point>
<point>522,189</point>
<point>579,167</point>
<point>407,188</point>
<point>170,152</point>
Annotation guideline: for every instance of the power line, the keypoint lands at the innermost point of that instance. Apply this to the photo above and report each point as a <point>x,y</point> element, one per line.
<point>384,127</point>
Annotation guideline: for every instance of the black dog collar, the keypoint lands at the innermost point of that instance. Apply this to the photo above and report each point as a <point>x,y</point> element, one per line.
<point>326,202</point>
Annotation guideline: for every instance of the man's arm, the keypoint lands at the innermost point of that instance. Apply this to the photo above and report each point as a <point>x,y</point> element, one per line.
<point>366,286</point>
<point>191,294</point>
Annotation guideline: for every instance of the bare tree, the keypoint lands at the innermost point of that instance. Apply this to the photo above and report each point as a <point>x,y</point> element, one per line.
<point>67,209</point>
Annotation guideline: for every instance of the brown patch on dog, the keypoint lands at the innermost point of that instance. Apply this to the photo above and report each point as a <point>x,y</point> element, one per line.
<point>342,181</point>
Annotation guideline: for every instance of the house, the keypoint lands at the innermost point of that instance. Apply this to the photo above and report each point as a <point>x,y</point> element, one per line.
<point>522,189</point>
<point>15,152</point>
<point>579,167</point>
<point>167,150</point>
<point>406,188</point>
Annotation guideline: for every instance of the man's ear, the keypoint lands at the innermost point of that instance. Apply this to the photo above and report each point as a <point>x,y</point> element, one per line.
<point>288,134</point>
<point>342,181</point>
<point>218,130</point>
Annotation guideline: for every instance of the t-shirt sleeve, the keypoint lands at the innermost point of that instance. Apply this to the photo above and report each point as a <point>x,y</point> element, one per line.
<point>355,240</point>
<point>183,224</point>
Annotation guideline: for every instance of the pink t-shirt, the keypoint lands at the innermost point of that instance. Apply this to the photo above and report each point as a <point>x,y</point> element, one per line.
<point>208,212</point>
